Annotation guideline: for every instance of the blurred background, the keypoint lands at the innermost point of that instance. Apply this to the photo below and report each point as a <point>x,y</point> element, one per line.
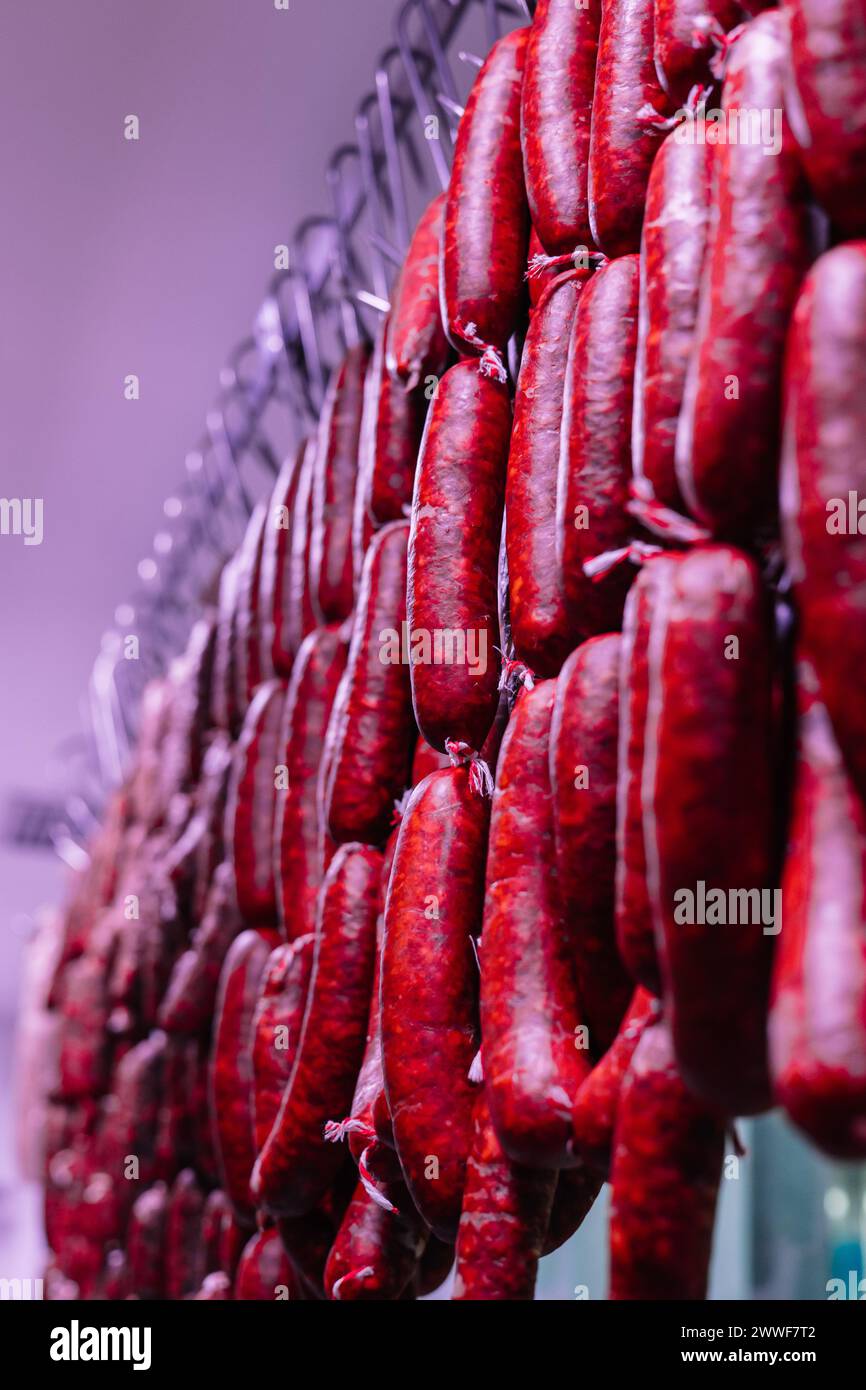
<point>151,257</point>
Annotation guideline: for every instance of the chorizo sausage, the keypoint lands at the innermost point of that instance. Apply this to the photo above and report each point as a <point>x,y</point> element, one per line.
<point>279,643</point>
<point>429,989</point>
<point>596,1102</point>
<point>452,598</point>
<point>370,734</point>
<point>277,1024</point>
<point>555,120</point>
<point>334,476</point>
<point>377,1250</point>
<point>540,627</point>
<point>248,669</point>
<point>250,809</point>
<point>583,777</point>
<point>486,216</point>
<point>299,615</point>
<point>534,1052</point>
<point>415,343</point>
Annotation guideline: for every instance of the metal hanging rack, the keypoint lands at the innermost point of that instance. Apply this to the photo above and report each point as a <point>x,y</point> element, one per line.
<point>341,266</point>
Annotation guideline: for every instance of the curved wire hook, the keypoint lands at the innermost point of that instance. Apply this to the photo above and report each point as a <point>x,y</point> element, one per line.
<point>412,60</point>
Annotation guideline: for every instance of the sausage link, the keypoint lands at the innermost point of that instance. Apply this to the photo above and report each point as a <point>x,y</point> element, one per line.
<point>817,1014</point>
<point>300,846</point>
<point>534,1049</point>
<point>248,668</point>
<point>823,478</point>
<point>728,432</point>
<point>376,1251</point>
<point>145,1242</point>
<point>541,630</point>
<point>296,1166</point>
<point>555,120</point>
<point>583,777</point>
<point>672,255</point>
<point>623,141</point>
<point>708,812</point>
<point>277,1024</point>
<point>452,599</point>
<point>576,1191</point>
<point>429,989</point>
<point>667,1164</point>
<point>415,344</point>
<point>597,1100</point>
<point>504,1221</point>
<point>184,1248</point>
<point>264,1272</point>
<point>486,217</point>
<point>370,733</point>
<point>279,643</point>
<point>299,616</point>
<point>595,459</point>
<point>683,36</point>
<point>334,477</point>
<point>250,808</point>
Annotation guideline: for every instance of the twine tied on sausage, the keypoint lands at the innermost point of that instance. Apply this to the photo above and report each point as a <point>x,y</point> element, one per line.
<point>652,119</point>
<point>600,566</point>
<point>580,259</point>
<point>491,363</point>
<point>662,521</point>
<point>480,776</point>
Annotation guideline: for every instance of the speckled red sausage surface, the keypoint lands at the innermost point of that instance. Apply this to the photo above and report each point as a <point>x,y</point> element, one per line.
<point>275,592</point>
<point>823,480</point>
<point>504,1221</point>
<point>334,476</point>
<point>596,1102</point>
<point>623,143</point>
<point>371,731</point>
<point>429,991</point>
<point>672,256</point>
<point>296,1166</point>
<point>299,844</point>
<point>534,1049</point>
<point>251,803</point>
<point>541,630</point>
<point>667,1164</point>
<point>277,1024</point>
<point>683,38</point>
<point>728,434</point>
<point>299,616</point>
<point>231,1065</point>
<point>415,345</point>
<point>583,777</point>
<point>817,1014</point>
<point>486,216</point>
<point>264,1271</point>
<point>595,460</point>
<point>188,1003</point>
<point>709,808</point>
<point>452,599</point>
<point>248,668</point>
<point>184,1247</point>
<point>376,1251</point>
<point>635,933</point>
<point>827,104</point>
<point>555,120</point>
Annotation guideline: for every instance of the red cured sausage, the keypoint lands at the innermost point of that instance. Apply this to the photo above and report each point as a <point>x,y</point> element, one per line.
<point>486,216</point>
<point>251,802</point>
<point>683,38</point>
<point>504,1221</point>
<point>818,1010</point>
<point>415,345</point>
<point>595,460</point>
<point>667,1164</point>
<point>596,1103</point>
<point>452,599</point>
<point>132,1114</point>
<point>334,477</point>
<point>370,734</point>
<point>264,1271</point>
<point>296,1166</point>
<point>555,120</point>
<point>277,1028</point>
<point>299,615</point>
<point>391,428</point>
<point>145,1242</point>
<point>635,933</point>
<point>708,804</point>
<point>299,844</point>
<point>189,717</point>
<point>224,710</point>
<point>534,1050</point>
<point>425,761</point>
<point>672,255</point>
<point>429,989</point>
<point>728,433</point>
<point>540,627</point>
<point>583,778</point>
<point>248,668</point>
<point>231,1064</point>
<point>827,106</point>
<point>275,583</point>
<point>217,1208</point>
<point>184,1249</point>
<point>823,478</point>
<point>624,139</point>
<point>376,1250</point>
<point>576,1191</point>
<point>188,1003</point>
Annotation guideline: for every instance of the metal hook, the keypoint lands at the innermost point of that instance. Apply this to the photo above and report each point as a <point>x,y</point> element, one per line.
<point>352,330</point>
<point>392,158</point>
<point>411,65</point>
<point>372,193</point>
